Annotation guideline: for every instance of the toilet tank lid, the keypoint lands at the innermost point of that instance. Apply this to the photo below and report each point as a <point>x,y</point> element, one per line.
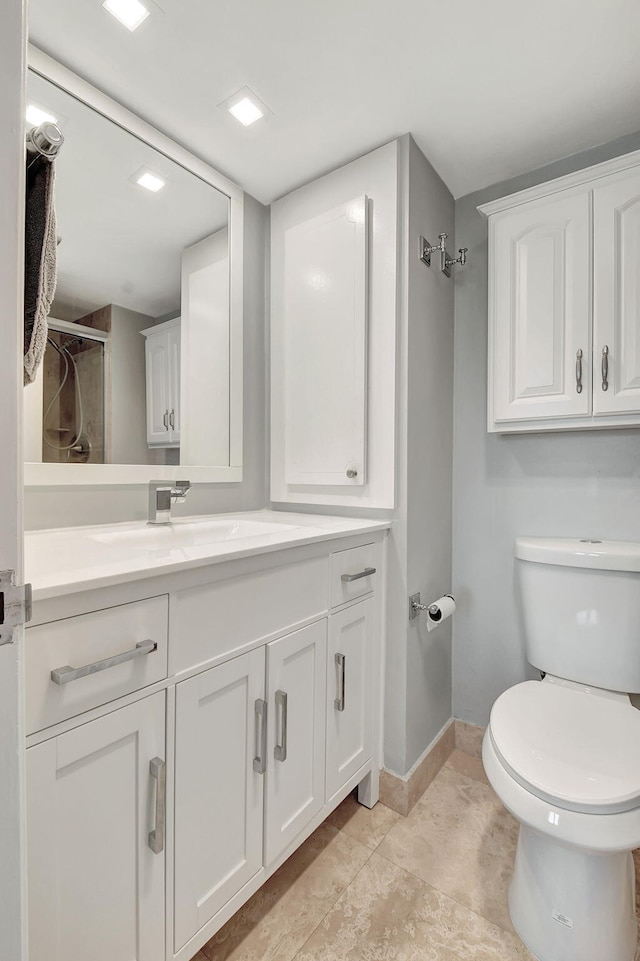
<point>580,552</point>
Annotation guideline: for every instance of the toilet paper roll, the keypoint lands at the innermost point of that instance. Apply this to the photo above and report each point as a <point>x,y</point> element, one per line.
<point>439,611</point>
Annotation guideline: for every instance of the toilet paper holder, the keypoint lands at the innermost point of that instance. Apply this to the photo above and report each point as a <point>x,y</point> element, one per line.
<point>416,608</point>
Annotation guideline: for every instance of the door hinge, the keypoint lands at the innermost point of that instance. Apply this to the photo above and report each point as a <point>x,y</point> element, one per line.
<point>15,605</point>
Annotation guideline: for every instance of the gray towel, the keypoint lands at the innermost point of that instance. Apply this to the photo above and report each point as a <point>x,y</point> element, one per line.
<point>40,262</point>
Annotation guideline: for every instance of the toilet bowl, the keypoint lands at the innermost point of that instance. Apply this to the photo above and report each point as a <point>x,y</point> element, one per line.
<point>563,753</point>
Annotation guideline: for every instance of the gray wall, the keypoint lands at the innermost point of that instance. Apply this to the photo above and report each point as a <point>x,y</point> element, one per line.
<point>418,663</point>
<point>128,388</point>
<point>66,507</point>
<point>570,483</point>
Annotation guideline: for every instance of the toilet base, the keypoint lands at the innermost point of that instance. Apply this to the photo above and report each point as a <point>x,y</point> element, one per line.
<point>568,904</point>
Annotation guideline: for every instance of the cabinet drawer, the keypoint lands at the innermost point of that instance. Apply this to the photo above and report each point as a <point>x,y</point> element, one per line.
<point>221,619</point>
<point>82,642</point>
<point>348,577</point>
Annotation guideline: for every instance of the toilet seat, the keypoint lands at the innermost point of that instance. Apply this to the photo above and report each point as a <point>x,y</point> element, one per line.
<point>574,747</point>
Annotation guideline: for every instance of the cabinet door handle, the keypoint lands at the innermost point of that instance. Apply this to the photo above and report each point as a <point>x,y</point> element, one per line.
<point>62,675</point>
<point>341,663</point>
<point>579,371</point>
<point>356,577</point>
<point>605,367</point>
<point>260,760</point>
<point>158,771</point>
<point>165,420</point>
<point>280,750</point>
<point>172,420</point>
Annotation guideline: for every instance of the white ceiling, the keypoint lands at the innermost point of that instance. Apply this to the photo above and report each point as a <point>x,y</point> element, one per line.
<point>489,88</point>
<point>120,244</point>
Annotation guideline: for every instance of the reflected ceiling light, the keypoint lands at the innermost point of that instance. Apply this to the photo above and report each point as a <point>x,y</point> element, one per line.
<point>36,115</point>
<point>131,13</point>
<point>246,111</point>
<point>150,181</point>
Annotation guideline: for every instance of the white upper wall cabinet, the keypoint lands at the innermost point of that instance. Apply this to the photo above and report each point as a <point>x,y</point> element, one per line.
<point>616,288</point>
<point>334,252</point>
<point>564,302</point>
<point>324,331</point>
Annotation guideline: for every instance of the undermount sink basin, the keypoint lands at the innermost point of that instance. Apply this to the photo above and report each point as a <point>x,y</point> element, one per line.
<point>183,534</point>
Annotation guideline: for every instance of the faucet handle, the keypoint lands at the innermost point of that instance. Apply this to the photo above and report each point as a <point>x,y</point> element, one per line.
<point>180,490</point>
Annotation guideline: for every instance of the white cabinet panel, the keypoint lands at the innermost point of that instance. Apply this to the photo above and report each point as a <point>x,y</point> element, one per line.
<point>96,889</point>
<point>296,683</point>
<point>349,693</point>
<point>540,310</point>
<point>218,794</point>
<point>324,331</point>
<point>162,357</point>
<point>616,346</point>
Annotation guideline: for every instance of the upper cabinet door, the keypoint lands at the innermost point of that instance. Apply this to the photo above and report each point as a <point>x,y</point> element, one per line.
<point>324,333</point>
<point>616,343</point>
<point>174,380</point>
<point>539,340</point>
<point>158,403</point>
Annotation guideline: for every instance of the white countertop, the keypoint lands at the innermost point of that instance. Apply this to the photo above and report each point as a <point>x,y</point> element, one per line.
<point>72,559</point>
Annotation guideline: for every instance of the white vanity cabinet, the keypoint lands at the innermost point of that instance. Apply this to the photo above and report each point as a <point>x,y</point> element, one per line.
<point>257,681</point>
<point>96,875</point>
<point>162,359</point>
<point>564,302</point>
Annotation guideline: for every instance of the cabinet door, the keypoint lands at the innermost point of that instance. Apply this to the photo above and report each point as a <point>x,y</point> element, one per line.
<point>616,249</point>
<point>96,889</point>
<point>158,404</point>
<point>218,788</point>
<point>296,683</point>
<point>173,339</point>
<point>539,340</point>
<point>349,693</point>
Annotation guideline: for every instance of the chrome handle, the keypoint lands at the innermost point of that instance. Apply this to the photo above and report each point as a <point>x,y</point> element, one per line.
<point>172,420</point>
<point>341,662</point>
<point>62,675</point>
<point>260,760</point>
<point>605,368</point>
<point>579,371</point>
<point>351,473</point>
<point>367,572</point>
<point>280,750</point>
<point>165,420</point>
<point>158,771</point>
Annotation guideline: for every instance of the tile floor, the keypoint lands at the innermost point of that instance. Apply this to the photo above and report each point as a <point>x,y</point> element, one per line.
<point>374,886</point>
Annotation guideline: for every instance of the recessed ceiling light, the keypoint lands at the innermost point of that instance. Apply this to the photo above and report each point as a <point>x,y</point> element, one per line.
<point>36,115</point>
<point>246,111</point>
<point>131,13</point>
<point>150,181</point>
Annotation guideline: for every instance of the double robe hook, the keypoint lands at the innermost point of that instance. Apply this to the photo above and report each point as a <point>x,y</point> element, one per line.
<point>446,261</point>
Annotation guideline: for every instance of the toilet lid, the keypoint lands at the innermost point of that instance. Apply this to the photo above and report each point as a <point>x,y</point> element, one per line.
<point>577,749</point>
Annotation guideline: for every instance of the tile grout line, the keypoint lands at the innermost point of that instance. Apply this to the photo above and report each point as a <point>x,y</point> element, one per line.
<point>446,895</point>
<point>333,903</point>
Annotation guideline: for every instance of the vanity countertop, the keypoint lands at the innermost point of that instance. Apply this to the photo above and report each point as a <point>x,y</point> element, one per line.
<point>73,559</point>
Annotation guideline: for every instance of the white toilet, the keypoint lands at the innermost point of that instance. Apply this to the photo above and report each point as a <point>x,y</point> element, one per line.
<point>563,754</point>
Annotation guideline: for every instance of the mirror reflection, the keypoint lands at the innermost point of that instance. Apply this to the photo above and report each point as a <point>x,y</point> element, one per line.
<point>137,363</point>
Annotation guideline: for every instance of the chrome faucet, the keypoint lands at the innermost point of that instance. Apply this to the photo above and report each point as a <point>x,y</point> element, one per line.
<point>161,494</point>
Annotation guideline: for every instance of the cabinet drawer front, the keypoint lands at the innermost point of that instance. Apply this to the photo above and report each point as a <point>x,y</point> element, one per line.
<point>84,642</point>
<point>349,577</point>
<point>221,618</point>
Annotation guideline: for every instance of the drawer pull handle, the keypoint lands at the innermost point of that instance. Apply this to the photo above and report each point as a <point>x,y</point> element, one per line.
<point>341,663</point>
<point>158,771</point>
<point>280,750</point>
<point>356,577</point>
<point>62,675</point>
<point>260,760</point>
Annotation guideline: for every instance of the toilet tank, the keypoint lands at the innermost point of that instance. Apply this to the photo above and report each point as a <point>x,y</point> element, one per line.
<point>581,606</point>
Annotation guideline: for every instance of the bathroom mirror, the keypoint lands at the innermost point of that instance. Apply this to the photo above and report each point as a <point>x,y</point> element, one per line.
<point>143,367</point>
